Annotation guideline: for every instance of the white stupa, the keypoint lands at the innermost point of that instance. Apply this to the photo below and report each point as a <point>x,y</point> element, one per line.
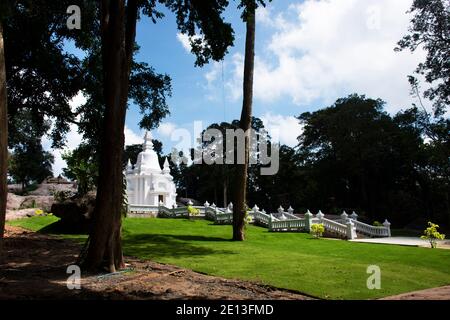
<point>147,183</point>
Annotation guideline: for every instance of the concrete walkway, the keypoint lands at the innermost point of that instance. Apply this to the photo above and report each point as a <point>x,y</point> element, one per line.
<point>403,241</point>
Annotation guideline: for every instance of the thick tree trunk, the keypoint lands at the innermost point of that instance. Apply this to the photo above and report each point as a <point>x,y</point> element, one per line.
<point>118,33</point>
<point>225,204</point>
<point>239,210</point>
<point>3,140</point>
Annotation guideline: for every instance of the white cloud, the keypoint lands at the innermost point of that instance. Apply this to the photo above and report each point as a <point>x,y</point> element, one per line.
<point>132,138</point>
<point>285,129</point>
<point>323,50</point>
<point>165,129</point>
<point>184,40</point>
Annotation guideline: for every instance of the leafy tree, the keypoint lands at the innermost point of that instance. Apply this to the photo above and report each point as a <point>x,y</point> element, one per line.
<point>118,29</point>
<point>30,163</point>
<point>430,30</point>
<point>358,156</point>
<point>81,166</point>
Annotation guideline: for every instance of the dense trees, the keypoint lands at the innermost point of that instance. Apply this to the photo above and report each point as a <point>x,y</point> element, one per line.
<point>30,163</point>
<point>352,155</point>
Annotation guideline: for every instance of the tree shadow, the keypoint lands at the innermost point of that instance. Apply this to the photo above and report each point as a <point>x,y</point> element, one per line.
<point>163,245</point>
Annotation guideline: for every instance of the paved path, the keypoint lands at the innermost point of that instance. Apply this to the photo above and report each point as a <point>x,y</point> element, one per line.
<point>403,241</point>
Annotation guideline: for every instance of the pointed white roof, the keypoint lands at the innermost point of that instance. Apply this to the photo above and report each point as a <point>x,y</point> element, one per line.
<point>147,161</point>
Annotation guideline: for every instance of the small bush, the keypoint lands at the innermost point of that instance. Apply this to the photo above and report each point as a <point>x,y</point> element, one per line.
<point>317,230</point>
<point>193,211</point>
<point>377,224</point>
<point>432,235</point>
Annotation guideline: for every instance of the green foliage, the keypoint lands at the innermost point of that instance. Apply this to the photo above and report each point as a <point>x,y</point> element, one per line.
<point>317,230</point>
<point>429,30</point>
<point>432,235</point>
<point>29,163</point>
<point>193,211</point>
<point>41,76</point>
<point>377,224</point>
<point>82,166</point>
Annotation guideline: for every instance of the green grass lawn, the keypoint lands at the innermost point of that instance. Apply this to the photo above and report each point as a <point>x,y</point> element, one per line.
<point>331,269</point>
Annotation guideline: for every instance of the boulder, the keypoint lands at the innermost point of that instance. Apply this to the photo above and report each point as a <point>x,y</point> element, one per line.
<point>13,201</point>
<point>42,202</point>
<point>75,212</point>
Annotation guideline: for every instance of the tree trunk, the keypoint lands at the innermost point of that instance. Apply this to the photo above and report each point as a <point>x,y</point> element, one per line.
<point>118,34</point>
<point>3,140</point>
<point>225,204</point>
<point>239,211</point>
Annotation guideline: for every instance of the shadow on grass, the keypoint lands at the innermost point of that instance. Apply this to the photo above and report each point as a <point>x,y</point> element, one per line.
<point>164,245</point>
<point>62,228</point>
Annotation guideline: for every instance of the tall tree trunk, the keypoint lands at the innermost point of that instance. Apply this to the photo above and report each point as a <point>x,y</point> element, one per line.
<point>225,204</point>
<point>118,26</point>
<point>239,210</point>
<point>3,140</point>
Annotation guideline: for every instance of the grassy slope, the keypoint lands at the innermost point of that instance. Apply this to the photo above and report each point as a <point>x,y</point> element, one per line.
<point>323,268</point>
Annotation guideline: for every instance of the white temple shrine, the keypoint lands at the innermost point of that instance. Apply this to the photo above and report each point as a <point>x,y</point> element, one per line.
<point>147,183</point>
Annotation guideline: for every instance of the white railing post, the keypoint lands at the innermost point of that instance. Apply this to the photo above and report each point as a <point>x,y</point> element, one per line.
<point>308,221</point>
<point>255,209</point>
<point>354,216</point>
<point>387,225</point>
<point>206,204</point>
<point>230,206</point>
<point>351,231</point>
<point>344,217</point>
<point>320,215</point>
<point>189,203</point>
<point>290,210</point>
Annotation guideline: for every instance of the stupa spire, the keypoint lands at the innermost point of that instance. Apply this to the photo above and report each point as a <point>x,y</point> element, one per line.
<point>166,168</point>
<point>148,144</point>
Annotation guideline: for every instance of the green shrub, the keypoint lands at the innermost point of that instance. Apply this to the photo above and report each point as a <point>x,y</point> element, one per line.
<point>432,235</point>
<point>377,224</point>
<point>317,230</point>
<point>193,211</point>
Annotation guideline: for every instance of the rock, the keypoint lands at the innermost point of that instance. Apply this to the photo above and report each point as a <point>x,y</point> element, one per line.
<point>42,202</point>
<point>14,202</point>
<point>48,189</point>
<point>20,214</point>
<point>75,213</point>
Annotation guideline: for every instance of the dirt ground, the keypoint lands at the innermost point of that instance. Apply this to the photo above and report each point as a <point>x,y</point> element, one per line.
<point>35,268</point>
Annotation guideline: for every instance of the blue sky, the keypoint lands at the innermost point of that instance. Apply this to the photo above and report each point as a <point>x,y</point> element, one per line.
<point>308,54</point>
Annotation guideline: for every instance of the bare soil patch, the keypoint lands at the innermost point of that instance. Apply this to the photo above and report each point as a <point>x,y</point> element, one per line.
<point>35,268</point>
<point>441,293</point>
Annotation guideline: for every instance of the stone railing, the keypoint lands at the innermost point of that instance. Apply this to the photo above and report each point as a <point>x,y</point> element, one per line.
<point>367,229</point>
<point>142,209</point>
<point>287,225</point>
<point>260,217</point>
<point>345,227</point>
